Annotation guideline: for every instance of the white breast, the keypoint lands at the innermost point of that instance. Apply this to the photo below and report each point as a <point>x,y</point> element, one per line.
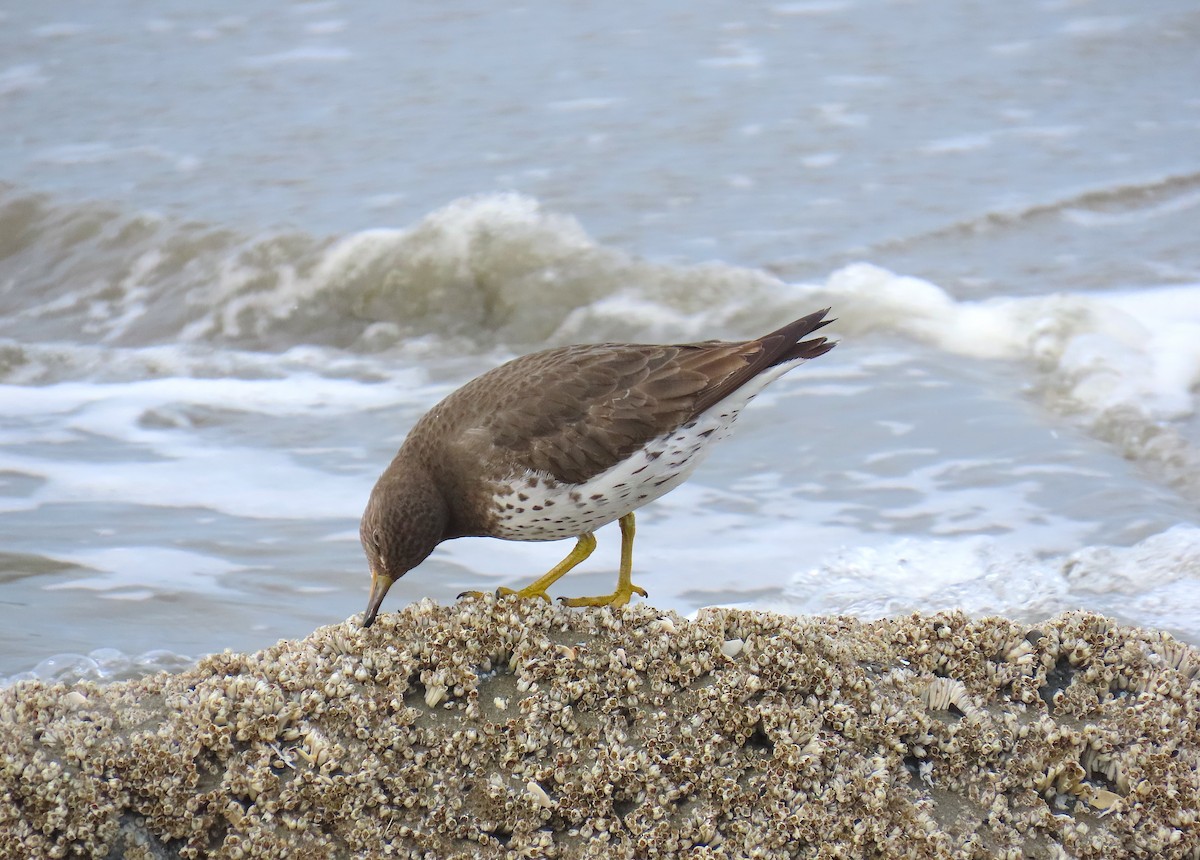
<point>536,507</point>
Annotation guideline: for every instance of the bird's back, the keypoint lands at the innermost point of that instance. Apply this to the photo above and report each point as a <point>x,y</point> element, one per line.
<point>567,415</point>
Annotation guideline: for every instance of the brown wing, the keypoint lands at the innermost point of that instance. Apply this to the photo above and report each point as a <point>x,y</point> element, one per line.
<point>574,412</point>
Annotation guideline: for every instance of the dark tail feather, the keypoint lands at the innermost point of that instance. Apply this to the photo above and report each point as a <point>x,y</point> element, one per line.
<point>810,349</point>
<point>793,332</point>
<point>759,354</point>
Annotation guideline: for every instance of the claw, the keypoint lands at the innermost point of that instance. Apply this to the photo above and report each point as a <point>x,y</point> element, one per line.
<point>522,594</point>
<point>620,597</point>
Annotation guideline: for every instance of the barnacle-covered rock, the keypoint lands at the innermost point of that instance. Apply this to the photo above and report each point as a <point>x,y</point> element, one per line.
<point>494,729</point>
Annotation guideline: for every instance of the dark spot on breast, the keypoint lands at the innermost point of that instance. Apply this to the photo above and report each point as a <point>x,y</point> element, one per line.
<point>595,497</point>
<point>653,455</point>
<point>642,469</point>
<point>520,510</point>
<point>706,433</point>
<point>537,507</point>
<point>522,497</point>
<point>531,482</point>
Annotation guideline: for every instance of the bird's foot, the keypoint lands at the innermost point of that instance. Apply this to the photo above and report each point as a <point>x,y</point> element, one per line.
<point>620,597</point>
<point>521,594</point>
<point>526,593</point>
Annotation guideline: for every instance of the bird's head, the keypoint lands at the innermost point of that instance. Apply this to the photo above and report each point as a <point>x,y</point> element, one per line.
<point>405,519</point>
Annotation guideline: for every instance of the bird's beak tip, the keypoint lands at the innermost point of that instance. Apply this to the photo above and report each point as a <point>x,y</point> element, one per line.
<point>380,583</point>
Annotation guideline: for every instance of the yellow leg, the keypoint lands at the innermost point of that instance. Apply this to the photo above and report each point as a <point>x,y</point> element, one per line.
<point>537,588</point>
<point>625,587</point>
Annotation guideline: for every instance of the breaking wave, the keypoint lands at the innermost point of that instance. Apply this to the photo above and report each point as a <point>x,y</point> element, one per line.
<point>497,272</point>
<point>491,269</point>
<point>1123,364</point>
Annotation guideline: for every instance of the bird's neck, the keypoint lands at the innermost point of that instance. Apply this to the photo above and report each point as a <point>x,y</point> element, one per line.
<point>416,508</point>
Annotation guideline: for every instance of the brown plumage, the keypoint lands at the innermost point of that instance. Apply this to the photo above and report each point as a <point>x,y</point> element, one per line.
<point>560,442</point>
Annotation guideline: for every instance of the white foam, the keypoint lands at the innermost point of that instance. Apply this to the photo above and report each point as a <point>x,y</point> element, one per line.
<point>19,79</point>
<point>168,462</point>
<point>735,55</point>
<point>962,143</point>
<point>100,664</point>
<point>102,152</point>
<point>314,7</point>
<point>1096,27</point>
<point>143,572</point>
<point>818,160</point>
<point>1048,133</point>
<point>115,409</point>
<point>586,103</point>
<point>60,30</point>
<point>238,481</point>
<point>838,115</point>
<point>916,574</point>
<point>301,54</point>
<point>1124,361</point>
<point>811,7</point>
<point>325,28</point>
<point>1156,582</point>
<point>1172,556</point>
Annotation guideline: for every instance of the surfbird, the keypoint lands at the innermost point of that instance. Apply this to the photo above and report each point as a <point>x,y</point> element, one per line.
<point>556,444</point>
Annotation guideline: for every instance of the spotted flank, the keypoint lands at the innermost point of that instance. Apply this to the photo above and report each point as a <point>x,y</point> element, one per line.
<point>535,507</point>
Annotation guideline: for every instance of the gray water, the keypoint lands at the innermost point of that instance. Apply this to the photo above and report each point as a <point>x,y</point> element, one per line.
<point>242,249</point>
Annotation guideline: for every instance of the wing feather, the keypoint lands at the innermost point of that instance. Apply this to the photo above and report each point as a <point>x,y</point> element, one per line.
<point>573,412</point>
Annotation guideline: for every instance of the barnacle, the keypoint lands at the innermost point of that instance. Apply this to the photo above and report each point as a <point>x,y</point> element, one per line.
<point>490,730</point>
<point>940,694</point>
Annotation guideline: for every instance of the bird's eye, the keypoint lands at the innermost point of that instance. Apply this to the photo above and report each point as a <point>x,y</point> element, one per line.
<point>376,539</point>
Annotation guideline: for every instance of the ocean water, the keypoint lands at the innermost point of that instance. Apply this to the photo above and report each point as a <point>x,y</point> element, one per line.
<point>244,247</point>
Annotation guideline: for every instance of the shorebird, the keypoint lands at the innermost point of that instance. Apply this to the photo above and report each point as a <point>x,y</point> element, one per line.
<point>558,443</point>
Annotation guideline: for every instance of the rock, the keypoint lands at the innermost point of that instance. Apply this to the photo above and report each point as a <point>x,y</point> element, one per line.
<point>500,729</point>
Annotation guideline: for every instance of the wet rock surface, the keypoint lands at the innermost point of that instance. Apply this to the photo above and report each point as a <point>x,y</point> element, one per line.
<point>496,729</point>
